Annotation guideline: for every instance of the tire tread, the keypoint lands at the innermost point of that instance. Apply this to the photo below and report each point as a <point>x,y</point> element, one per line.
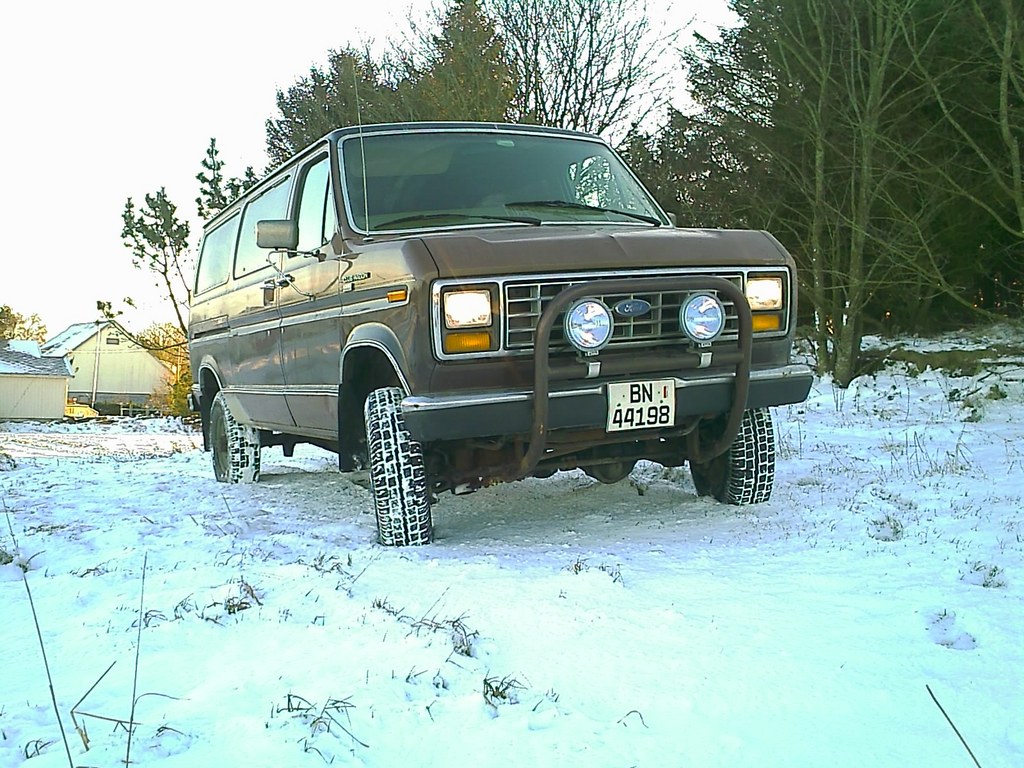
<point>398,478</point>
<point>243,445</point>
<point>744,474</point>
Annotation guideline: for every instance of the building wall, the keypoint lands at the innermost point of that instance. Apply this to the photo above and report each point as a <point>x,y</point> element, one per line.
<point>115,372</point>
<point>23,396</point>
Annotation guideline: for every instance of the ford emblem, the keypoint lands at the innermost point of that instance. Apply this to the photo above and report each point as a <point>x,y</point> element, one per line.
<point>632,308</point>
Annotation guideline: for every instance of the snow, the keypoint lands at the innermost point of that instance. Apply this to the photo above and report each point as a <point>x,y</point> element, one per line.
<point>24,346</point>
<point>553,622</point>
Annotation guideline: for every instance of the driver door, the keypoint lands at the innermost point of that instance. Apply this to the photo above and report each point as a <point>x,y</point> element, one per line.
<point>310,306</point>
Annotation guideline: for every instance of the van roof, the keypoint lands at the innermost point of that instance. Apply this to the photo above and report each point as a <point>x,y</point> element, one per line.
<point>455,126</point>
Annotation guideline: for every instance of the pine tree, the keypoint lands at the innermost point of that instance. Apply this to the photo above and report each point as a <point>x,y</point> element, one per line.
<point>458,73</point>
<point>158,241</point>
<point>352,89</point>
<point>211,198</point>
<point>215,191</point>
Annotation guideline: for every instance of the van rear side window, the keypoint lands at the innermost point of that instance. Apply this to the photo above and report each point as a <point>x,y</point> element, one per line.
<point>272,204</point>
<point>215,258</point>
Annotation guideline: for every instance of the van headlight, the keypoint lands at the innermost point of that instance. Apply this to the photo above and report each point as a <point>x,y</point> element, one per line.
<point>764,293</point>
<point>467,309</point>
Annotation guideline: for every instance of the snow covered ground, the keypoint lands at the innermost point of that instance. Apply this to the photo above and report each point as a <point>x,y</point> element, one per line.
<point>555,622</point>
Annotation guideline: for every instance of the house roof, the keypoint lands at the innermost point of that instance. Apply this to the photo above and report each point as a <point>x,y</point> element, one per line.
<point>71,338</point>
<point>28,346</point>
<point>19,359</point>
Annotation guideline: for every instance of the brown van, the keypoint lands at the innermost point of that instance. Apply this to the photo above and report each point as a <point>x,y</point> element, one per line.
<point>450,305</point>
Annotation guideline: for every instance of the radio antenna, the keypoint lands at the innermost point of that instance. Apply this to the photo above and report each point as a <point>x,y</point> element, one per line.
<point>362,151</point>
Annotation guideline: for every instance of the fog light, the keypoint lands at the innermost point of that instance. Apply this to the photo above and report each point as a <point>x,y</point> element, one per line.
<point>588,325</point>
<point>702,317</point>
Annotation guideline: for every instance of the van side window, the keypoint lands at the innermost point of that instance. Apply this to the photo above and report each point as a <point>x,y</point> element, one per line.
<point>215,257</point>
<point>272,204</point>
<point>316,207</point>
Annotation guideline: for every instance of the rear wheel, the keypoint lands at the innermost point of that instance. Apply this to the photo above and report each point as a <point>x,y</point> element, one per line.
<point>398,480</point>
<point>744,474</point>
<point>236,447</point>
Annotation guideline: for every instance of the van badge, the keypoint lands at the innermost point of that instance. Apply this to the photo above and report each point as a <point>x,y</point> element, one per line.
<point>632,308</point>
<point>356,277</point>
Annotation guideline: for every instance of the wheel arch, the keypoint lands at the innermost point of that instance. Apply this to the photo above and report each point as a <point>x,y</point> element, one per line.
<point>372,358</point>
<point>209,385</point>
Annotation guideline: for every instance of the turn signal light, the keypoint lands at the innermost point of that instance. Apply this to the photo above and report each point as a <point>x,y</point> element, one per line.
<point>467,341</point>
<point>766,322</point>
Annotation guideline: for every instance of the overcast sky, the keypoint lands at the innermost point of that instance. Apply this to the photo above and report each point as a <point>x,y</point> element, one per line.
<point>113,99</point>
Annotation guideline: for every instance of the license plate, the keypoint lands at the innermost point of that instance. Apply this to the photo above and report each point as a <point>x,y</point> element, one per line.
<point>641,405</point>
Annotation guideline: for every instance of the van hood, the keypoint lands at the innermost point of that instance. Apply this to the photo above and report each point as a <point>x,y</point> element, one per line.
<point>557,248</point>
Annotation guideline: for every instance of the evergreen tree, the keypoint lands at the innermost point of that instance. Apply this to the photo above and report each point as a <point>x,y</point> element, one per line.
<point>351,90</point>
<point>158,241</point>
<point>692,173</point>
<point>457,73</point>
<point>212,197</point>
<point>237,185</point>
<point>215,191</point>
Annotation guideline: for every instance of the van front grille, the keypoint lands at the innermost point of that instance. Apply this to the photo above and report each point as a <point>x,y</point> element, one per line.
<point>525,300</point>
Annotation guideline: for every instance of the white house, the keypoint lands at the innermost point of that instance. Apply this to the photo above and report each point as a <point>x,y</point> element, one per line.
<point>107,366</point>
<point>31,386</point>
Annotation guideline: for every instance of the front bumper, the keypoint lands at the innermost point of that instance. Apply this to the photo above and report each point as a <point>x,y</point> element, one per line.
<point>488,414</point>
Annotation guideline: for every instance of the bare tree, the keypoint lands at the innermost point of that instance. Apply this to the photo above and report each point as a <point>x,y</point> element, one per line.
<point>591,65</point>
<point>14,325</point>
<point>997,113</point>
<point>972,61</point>
<point>825,93</point>
<point>167,344</point>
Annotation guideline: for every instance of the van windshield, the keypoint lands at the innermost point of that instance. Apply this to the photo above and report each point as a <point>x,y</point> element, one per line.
<point>417,180</point>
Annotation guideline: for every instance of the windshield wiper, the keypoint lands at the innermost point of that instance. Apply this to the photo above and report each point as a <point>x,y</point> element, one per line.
<point>582,207</point>
<point>531,220</point>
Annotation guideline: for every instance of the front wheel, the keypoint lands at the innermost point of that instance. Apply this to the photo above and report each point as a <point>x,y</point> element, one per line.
<point>401,499</point>
<point>236,447</point>
<point>744,474</point>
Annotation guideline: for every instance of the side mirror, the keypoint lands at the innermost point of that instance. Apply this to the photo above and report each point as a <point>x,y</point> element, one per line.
<point>672,218</point>
<point>278,234</point>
